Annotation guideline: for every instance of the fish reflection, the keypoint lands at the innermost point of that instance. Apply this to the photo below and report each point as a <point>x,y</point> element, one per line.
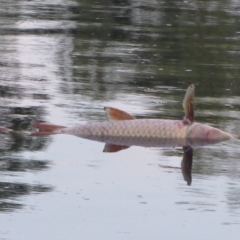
<point>186,164</point>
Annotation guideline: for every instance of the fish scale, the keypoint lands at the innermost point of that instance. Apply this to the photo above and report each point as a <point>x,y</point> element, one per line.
<point>147,128</point>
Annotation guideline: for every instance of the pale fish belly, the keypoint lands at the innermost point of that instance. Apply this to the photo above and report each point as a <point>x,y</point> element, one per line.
<point>141,132</point>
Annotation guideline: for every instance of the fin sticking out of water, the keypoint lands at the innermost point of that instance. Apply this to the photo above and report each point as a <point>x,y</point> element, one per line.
<point>116,114</point>
<point>46,129</point>
<point>113,148</point>
<point>188,103</point>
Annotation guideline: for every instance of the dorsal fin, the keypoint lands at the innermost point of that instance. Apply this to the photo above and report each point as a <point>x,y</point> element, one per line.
<point>116,114</point>
<point>188,103</point>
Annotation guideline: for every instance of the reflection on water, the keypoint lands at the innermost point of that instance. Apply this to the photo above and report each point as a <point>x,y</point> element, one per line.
<point>62,61</point>
<point>10,192</point>
<point>11,166</point>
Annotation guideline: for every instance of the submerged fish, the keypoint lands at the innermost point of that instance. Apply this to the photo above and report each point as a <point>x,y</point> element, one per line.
<point>123,130</point>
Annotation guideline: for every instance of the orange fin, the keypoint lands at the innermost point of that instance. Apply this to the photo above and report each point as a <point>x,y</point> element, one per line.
<point>113,148</point>
<point>116,114</point>
<point>188,103</point>
<point>46,129</point>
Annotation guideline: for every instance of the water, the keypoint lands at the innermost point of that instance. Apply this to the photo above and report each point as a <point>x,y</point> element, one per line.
<point>62,62</point>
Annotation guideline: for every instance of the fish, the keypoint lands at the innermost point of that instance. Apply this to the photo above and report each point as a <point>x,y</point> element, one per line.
<point>123,130</point>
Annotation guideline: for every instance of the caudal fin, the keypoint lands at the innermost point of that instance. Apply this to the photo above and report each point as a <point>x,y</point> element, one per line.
<point>45,129</point>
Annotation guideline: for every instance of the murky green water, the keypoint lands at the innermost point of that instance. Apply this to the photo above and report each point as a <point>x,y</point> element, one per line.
<point>62,62</point>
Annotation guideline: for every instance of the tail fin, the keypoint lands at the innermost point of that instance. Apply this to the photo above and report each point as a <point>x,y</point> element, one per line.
<point>45,129</point>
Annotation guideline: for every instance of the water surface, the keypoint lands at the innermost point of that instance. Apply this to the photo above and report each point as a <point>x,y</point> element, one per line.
<point>62,62</point>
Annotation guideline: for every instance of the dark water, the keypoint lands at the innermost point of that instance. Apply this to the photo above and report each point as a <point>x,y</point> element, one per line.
<point>62,62</point>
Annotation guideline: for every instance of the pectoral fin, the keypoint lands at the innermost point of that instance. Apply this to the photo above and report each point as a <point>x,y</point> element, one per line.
<point>188,103</point>
<point>116,114</point>
<point>113,148</point>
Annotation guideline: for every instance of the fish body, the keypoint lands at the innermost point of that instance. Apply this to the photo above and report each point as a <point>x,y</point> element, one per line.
<point>140,132</point>
<point>149,132</point>
<point>142,128</point>
<point>143,132</point>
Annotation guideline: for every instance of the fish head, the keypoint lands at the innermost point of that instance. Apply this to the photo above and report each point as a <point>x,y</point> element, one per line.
<point>201,134</point>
